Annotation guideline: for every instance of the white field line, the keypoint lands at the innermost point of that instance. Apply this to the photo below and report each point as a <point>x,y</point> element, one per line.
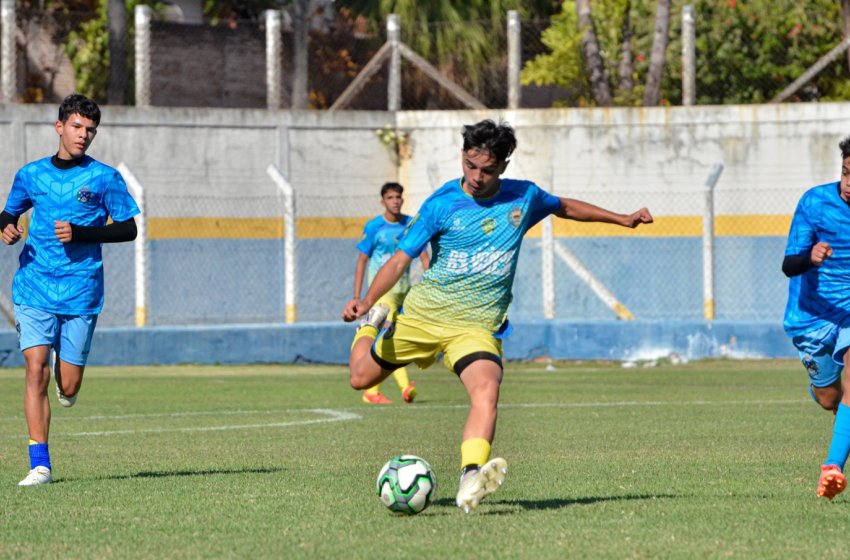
<point>341,415</point>
<point>331,416</point>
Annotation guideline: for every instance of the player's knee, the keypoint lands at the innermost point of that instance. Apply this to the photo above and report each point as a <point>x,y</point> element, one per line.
<point>827,397</point>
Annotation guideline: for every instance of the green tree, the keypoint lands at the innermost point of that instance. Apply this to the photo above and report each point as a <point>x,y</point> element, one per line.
<point>746,51</point>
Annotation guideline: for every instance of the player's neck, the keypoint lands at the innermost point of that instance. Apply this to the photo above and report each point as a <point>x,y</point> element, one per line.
<point>392,218</point>
<point>61,163</point>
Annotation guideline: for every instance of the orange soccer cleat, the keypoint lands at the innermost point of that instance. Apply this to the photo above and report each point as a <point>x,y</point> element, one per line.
<point>376,398</point>
<point>831,482</point>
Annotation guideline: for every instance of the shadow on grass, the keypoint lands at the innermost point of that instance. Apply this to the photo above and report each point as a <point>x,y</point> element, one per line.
<point>555,503</point>
<point>202,472</point>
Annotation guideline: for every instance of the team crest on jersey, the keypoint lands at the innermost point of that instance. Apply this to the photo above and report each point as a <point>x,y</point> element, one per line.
<point>488,225</point>
<point>515,216</point>
<point>86,196</point>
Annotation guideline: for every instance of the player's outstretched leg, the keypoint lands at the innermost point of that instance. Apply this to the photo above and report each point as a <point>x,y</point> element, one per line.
<point>478,483</point>
<point>832,481</point>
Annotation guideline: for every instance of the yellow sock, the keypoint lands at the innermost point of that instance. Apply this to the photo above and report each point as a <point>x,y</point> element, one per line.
<point>365,330</point>
<point>474,451</point>
<point>373,390</point>
<point>401,377</point>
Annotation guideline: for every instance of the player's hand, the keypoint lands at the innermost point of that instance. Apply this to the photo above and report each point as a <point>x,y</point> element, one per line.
<point>354,309</point>
<point>820,252</point>
<point>63,231</point>
<point>12,234</point>
<point>642,216</point>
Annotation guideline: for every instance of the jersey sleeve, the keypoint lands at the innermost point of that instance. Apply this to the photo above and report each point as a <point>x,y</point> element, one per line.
<point>424,225</point>
<point>19,200</point>
<point>542,204</point>
<point>117,199</point>
<point>366,245</point>
<point>802,235</point>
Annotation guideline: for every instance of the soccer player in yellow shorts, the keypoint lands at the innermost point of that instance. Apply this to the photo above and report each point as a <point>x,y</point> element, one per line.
<point>475,225</point>
<point>377,244</point>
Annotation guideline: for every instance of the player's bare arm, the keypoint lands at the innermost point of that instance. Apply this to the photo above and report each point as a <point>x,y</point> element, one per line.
<point>360,273</point>
<point>572,209</point>
<point>386,278</point>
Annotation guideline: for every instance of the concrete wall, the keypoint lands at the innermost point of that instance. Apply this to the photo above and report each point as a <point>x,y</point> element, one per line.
<point>204,170</point>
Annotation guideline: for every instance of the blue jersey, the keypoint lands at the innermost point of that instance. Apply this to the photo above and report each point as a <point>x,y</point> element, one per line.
<point>475,247</point>
<point>65,278</point>
<point>378,242</point>
<point>821,295</point>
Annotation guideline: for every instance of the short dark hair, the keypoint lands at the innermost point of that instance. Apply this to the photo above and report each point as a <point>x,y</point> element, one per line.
<point>391,187</point>
<point>844,146</point>
<point>498,139</point>
<point>79,104</point>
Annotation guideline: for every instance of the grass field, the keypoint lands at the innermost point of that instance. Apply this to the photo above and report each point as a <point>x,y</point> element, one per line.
<point>703,460</point>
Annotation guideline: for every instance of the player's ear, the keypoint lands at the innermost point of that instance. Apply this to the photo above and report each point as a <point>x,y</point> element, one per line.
<point>58,126</point>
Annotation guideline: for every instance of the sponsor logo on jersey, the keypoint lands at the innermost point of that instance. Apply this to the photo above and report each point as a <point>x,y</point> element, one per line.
<point>515,216</point>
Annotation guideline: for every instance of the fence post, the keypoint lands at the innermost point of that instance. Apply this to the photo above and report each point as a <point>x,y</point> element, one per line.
<point>142,16</point>
<point>8,53</point>
<point>708,242</point>
<point>140,245</point>
<point>689,64</point>
<point>547,268</point>
<point>289,246</point>
<point>514,59</point>
<point>273,59</point>
<point>394,82</point>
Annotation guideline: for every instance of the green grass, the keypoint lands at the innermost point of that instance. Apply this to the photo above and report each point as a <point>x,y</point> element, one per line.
<point>704,460</point>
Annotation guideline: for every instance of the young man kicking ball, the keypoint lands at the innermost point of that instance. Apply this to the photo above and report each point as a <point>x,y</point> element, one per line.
<point>475,225</point>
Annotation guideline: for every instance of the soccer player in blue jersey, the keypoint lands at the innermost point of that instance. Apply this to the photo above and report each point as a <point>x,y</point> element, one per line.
<point>58,288</point>
<point>817,315</point>
<point>377,244</point>
<point>475,225</point>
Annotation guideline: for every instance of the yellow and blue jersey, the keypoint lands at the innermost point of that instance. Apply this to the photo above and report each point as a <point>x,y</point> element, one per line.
<point>475,247</point>
<point>379,242</point>
<point>65,278</point>
<point>821,295</point>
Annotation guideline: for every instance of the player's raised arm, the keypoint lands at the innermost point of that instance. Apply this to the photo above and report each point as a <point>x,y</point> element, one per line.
<point>572,209</point>
<point>384,280</point>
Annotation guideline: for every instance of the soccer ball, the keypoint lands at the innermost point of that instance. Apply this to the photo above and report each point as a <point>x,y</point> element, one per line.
<point>407,484</point>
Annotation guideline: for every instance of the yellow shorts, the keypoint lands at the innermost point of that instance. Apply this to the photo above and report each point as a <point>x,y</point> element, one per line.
<point>393,301</point>
<point>411,340</point>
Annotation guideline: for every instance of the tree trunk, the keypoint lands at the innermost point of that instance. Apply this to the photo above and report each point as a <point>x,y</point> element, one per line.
<point>652,95</point>
<point>845,8</point>
<point>592,59</point>
<point>117,18</point>
<point>300,29</point>
<point>626,68</point>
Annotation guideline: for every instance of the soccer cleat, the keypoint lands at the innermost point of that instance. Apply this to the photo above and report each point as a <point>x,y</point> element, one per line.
<point>475,485</point>
<point>37,476</point>
<point>409,392</point>
<point>831,482</point>
<point>63,400</point>
<point>375,317</point>
<point>376,398</point>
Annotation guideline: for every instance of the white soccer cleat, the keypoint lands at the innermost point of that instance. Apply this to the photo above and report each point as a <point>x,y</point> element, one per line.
<point>375,317</point>
<point>63,400</point>
<point>477,484</point>
<point>37,476</point>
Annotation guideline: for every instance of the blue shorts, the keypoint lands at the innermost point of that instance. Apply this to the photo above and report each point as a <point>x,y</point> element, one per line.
<point>69,335</point>
<point>822,353</point>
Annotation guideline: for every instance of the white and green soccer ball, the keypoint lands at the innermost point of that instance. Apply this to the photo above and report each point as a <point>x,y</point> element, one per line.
<point>407,484</point>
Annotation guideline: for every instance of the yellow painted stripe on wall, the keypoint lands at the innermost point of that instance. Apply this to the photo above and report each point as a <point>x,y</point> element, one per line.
<point>748,225</point>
